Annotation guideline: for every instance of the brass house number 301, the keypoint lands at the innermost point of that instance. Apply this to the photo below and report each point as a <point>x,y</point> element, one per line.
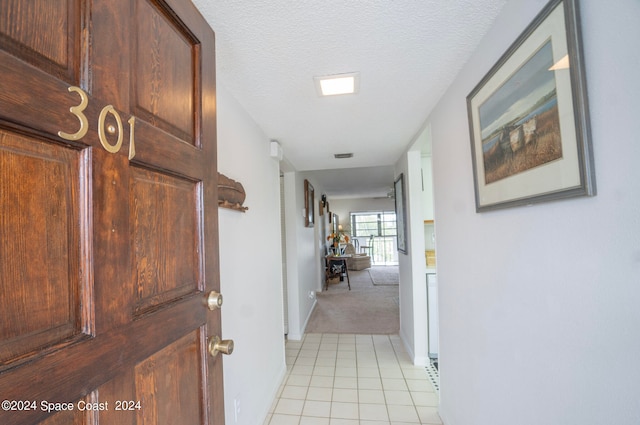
<point>78,111</point>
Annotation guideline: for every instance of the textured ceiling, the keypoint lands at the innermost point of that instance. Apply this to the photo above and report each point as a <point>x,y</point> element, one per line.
<point>407,54</point>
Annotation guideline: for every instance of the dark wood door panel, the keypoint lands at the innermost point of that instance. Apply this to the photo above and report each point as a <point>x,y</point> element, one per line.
<point>166,232</point>
<point>42,261</point>
<point>121,388</point>
<point>56,49</point>
<point>165,90</point>
<point>73,373</point>
<point>104,284</point>
<point>165,388</point>
<point>169,383</point>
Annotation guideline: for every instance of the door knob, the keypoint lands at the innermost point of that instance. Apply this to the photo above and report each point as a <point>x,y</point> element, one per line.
<point>214,300</point>
<point>217,345</point>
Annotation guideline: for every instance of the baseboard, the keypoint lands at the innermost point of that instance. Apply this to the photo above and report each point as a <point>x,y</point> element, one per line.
<point>417,360</point>
<point>294,337</point>
<point>279,380</point>
<point>306,322</point>
<point>421,361</point>
<point>404,340</point>
<point>298,336</point>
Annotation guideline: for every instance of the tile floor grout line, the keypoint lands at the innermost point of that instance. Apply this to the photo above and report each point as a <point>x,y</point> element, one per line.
<point>386,350</point>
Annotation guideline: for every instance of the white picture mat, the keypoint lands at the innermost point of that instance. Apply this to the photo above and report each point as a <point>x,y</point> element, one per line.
<point>554,176</point>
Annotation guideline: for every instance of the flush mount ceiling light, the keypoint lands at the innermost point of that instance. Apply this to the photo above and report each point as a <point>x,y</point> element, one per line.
<point>331,85</point>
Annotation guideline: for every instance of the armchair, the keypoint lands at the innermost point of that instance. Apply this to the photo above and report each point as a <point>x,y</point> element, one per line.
<point>357,261</point>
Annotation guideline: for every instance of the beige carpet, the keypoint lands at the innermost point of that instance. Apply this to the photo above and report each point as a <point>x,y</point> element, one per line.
<point>384,275</point>
<point>366,309</point>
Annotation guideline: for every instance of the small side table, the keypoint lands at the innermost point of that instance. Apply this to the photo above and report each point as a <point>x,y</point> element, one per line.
<point>332,269</point>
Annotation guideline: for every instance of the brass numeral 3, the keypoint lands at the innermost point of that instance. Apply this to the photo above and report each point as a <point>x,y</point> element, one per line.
<point>78,112</point>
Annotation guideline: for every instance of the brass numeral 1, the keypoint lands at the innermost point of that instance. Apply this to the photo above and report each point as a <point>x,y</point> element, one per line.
<point>132,142</point>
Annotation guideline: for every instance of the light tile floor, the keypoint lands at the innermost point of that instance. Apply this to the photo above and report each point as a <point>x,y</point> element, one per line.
<point>338,379</point>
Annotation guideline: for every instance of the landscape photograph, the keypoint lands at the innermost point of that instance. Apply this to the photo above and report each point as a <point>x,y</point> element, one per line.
<point>519,122</point>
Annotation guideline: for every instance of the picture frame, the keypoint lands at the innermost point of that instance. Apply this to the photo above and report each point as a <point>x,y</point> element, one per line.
<point>309,213</point>
<point>401,214</point>
<point>529,117</point>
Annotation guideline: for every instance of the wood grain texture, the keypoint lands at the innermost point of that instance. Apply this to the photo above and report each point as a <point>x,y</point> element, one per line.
<point>164,90</point>
<point>166,237</point>
<point>55,48</point>
<point>167,381</point>
<point>107,261</point>
<point>73,373</point>
<point>40,246</point>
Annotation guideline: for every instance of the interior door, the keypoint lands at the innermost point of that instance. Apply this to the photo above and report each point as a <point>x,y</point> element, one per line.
<point>108,214</point>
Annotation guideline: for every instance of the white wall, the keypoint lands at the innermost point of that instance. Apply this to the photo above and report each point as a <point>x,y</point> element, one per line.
<point>303,253</point>
<point>405,274</point>
<point>412,267</point>
<point>250,267</point>
<point>540,306</point>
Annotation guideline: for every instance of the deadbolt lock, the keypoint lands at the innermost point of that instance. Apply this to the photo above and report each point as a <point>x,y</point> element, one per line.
<point>214,300</point>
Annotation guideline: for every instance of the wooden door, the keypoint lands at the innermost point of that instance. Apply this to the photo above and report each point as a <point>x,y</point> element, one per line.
<point>108,213</point>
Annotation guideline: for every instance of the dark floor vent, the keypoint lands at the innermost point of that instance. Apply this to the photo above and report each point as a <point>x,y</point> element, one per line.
<point>343,155</point>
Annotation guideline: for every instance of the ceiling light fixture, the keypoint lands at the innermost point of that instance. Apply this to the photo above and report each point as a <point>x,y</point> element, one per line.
<point>331,85</point>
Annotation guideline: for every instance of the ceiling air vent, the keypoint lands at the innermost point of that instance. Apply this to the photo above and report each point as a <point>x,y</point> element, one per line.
<point>343,155</point>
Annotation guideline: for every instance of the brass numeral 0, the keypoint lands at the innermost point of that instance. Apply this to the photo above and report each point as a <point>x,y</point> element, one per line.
<point>78,111</point>
<point>102,136</point>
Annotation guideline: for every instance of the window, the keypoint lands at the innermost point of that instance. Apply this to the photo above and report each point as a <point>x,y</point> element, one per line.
<point>376,230</point>
<point>377,224</point>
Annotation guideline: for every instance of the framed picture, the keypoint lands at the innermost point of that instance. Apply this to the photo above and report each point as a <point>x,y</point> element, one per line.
<point>401,214</point>
<point>528,117</point>
<point>309,213</point>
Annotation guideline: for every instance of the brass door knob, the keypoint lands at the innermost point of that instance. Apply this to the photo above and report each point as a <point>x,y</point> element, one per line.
<point>217,345</point>
<point>214,300</point>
